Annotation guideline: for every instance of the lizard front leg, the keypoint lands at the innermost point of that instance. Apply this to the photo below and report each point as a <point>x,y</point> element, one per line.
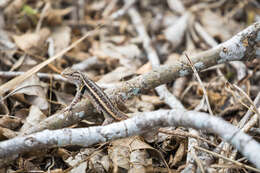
<point>75,99</point>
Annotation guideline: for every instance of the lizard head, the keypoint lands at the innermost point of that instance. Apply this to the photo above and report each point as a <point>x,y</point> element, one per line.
<point>73,76</point>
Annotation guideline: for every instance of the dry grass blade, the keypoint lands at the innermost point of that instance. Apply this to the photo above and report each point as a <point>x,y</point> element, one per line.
<point>16,81</point>
<point>16,90</point>
<point>201,84</point>
<point>249,99</point>
<point>186,134</point>
<point>197,160</point>
<point>225,158</point>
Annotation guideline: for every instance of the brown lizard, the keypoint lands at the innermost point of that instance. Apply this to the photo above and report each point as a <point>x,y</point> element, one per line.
<point>97,96</point>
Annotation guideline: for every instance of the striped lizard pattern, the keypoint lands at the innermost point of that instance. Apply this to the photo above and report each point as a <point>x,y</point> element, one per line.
<point>97,96</point>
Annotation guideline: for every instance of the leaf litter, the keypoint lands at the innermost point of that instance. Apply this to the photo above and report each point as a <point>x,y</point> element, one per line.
<point>68,34</point>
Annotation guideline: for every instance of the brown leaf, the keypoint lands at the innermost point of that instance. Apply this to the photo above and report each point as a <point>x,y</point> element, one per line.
<point>34,95</point>
<point>35,116</point>
<point>30,41</point>
<point>180,153</point>
<point>10,122</point>
<point>54,16</point>
<point>6,134</point>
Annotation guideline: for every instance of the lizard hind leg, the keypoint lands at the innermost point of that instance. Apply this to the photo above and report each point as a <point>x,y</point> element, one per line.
<point>99,109</point>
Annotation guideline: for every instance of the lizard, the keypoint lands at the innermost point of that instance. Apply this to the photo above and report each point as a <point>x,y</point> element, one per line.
<point>97,96</point>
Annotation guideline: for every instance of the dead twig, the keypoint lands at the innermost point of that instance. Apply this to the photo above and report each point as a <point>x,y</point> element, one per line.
<point>201,84</point>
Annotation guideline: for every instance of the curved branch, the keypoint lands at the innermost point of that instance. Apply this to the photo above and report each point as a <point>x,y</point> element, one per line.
<point>134,126</point>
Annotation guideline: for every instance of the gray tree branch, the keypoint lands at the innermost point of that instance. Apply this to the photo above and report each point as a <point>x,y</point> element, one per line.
<point>136,125</point>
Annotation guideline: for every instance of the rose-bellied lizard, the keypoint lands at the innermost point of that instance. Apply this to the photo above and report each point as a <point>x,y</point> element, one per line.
<point>97,96</point>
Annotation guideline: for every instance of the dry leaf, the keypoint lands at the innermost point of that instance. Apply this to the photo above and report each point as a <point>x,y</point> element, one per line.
<point>63,98</point>
<point>151,99</point>
<point>19,79</point>
<point>116,75</point>
<point>35,116</point>
<point>127,54</point>
<point>10,122</point>
<point>175,33</point>
<point>180,153</point>
<point>212,23</point>
<point>54,16</point>
<point>122,149</point>
<point>34,95</point>
<point>217,99</point>
<point>4,109</point>
<point>118,39</point>
<point>63,153</point>
<point>176,5</point>
<point>5,42</point>
<point>32,41</point>
<point>6,134</point>
<point>119,154</point>
<point>75,161</point>
<point>14,7</point>
<point>61,37</point>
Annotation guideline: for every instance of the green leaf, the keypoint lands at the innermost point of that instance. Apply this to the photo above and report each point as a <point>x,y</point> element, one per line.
<point>29,10</point>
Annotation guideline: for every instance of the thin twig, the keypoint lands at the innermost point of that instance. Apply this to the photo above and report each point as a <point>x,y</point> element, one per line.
<point>186,134</point>
<point>10,74</point>
<point>226,158</point>
<point>201,84</point>
<point>198,161</point>
<point>18,89</point>
<point>249,112</point>
<point>250,100</point>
